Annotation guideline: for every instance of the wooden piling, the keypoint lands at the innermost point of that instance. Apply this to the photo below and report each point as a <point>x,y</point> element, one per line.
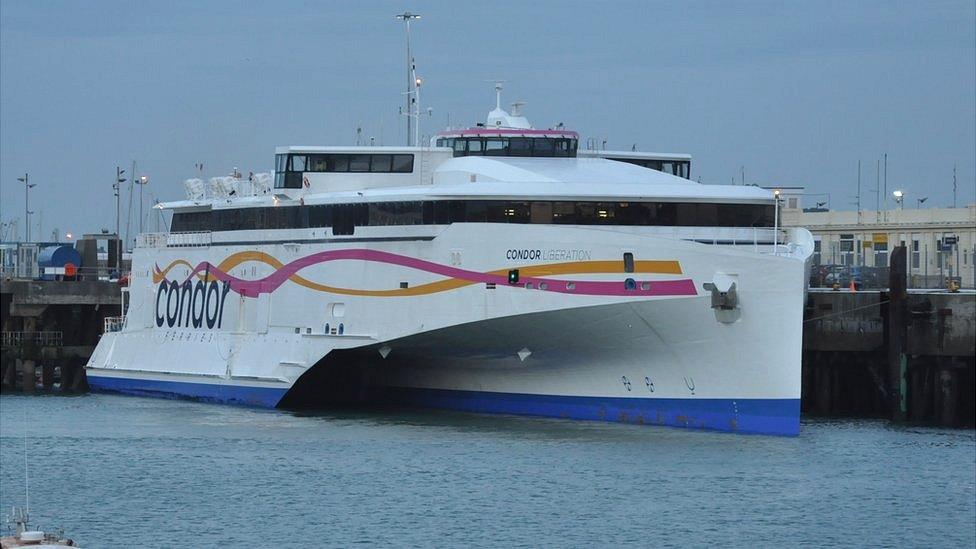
<point>10,367</point>
<point>27,379</point>
<point>47,376</point>
<point>823,379</point>
<point>897,331</point>
<point>949,387</point>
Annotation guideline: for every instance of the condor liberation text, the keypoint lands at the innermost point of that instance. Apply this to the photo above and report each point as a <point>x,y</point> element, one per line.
<point>548,255</point>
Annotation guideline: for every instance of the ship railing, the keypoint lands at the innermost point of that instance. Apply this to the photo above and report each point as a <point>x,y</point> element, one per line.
<point>113,324</point>
<point>759,240</point>
<point>189,239</point>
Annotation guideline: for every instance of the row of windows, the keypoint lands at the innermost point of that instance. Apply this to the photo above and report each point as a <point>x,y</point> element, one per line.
<point>290,167</point>
<point>680,168</point>
<point>511,146</point>
<point>343,218</point>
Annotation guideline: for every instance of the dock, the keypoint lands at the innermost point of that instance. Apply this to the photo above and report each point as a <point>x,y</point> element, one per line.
<point>50,329</point>
<point>906,355</point>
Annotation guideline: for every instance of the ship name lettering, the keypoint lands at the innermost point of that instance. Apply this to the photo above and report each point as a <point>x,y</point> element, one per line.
<point>191,304</point>
<point>549,255</point>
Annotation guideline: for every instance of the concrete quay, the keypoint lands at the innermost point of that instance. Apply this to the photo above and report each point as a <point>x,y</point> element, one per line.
<point>906,355</point>
<point>49,330</point>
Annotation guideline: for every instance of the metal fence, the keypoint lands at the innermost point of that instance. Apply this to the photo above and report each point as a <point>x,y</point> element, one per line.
<point>42,339</point>
<point>873,278</point>
<point>174,240</point>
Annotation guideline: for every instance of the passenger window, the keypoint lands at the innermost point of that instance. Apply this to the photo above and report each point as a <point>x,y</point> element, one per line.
<point>402,163</point>
<point>339,163</point>
<point>475,147</point>
<point>541,212</point>
<point>359,163</point>
<point>381,163</point>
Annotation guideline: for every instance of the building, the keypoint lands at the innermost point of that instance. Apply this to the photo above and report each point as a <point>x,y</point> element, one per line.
<point>941,242</point>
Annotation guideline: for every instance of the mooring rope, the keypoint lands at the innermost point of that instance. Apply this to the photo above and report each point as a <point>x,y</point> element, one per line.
<point>878,304</point>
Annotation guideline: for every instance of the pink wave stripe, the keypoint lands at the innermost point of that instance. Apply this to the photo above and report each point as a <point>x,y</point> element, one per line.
<point>270,283</point>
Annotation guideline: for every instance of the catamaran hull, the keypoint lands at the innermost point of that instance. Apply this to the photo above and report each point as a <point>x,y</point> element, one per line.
<point>566,340</point>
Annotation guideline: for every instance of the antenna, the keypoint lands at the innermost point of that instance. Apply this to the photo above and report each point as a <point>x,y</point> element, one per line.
<point>517,108</point>
<point>953,185</point>
<point>859,191</point>
<point>406,17</point>
<point>498,91</point>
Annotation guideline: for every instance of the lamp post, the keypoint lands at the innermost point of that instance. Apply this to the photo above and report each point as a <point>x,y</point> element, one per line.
<point>142,183</point>
<point>919,201</point>
<point>406,17</point>
<point>27,186</point>
<point>899,198</point>
<point>776,223</point>
<point>119,180</point>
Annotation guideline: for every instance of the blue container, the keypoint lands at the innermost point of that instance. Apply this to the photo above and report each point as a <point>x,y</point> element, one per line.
<point>56,257</point>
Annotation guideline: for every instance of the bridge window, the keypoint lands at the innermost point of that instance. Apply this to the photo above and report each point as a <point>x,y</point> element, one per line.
<point>520,146</point>
<point>289,168</point>
<point>298,162</point>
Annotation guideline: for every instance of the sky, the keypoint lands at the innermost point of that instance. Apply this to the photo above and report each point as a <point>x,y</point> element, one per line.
<point>784,93</point>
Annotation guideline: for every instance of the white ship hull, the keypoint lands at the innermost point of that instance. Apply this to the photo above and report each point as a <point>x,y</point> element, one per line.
<point>581,342</point>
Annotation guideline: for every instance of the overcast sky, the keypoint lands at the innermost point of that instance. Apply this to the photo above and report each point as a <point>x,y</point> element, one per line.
<point>794,93</point>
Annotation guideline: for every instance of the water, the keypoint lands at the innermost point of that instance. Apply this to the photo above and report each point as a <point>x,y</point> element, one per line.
<point>122,471</point>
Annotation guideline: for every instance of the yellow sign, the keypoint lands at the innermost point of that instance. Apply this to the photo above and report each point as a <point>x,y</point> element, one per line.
<point>879,238</point>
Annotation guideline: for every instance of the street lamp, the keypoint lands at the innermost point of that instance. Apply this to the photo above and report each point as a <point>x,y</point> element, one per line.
<point>920,201</point>
<point>899,198</point>
<point>776,194</point>
<point>27,186</point>
<point>142,183</point>
<point>119,172</point>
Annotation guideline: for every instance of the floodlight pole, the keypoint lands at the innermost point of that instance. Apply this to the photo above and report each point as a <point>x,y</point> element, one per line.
<point>27,186</point>
<point>117,187</point>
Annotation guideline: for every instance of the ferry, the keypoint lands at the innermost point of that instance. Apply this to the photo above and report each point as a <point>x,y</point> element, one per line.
<point>497,268</point>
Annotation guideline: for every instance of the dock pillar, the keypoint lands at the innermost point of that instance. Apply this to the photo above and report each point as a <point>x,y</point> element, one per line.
<point>919,400</point>
<point>10,368</point>
<point>948,385</point>
<point>27,376</point>
<point>822,382</point>
<point>47,376</point>
<point>79,381</point>
<point>897,334</point>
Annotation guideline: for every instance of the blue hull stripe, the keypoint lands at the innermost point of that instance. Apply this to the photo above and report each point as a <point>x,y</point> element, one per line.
<point>227,394</point>
<point>758,416</point>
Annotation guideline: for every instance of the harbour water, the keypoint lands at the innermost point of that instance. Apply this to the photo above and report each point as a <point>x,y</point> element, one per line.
<point>122,471</point>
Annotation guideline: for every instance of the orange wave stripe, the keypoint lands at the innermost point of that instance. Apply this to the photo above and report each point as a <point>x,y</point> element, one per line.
<point>570,268</point>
